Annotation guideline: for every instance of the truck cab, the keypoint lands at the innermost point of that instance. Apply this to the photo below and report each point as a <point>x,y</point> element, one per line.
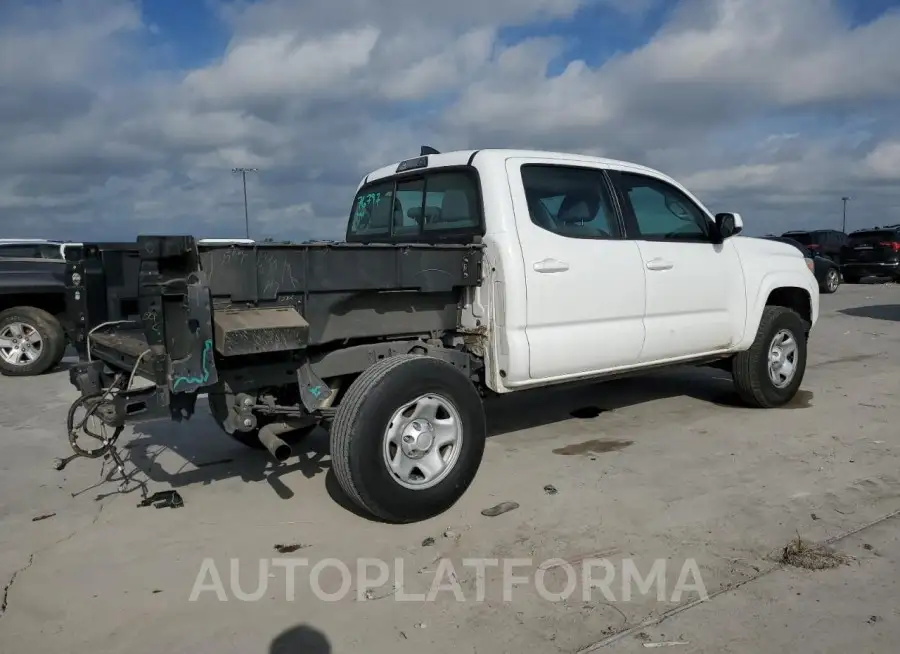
<point>593,266</point>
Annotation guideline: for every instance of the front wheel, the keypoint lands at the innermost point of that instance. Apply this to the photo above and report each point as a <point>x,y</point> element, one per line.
<point>32,341</point>
<point>769,374</point>
<point>408,438</point>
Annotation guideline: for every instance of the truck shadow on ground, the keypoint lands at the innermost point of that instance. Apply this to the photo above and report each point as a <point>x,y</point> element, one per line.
<point>890,312</point>
<point>207,455</point>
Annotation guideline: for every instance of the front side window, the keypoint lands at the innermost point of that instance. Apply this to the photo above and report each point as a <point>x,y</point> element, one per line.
<point>661,211</point>
<point>441,205</point>
<point>568,201</point>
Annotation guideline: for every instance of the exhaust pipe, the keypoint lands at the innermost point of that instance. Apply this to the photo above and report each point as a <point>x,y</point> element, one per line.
<point>268,436</point>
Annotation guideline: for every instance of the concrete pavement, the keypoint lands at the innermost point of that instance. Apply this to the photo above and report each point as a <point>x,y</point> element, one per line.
<point>662,468</point>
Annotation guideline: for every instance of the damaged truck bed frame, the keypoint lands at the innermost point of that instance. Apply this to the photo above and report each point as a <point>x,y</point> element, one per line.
<point>273,335</point>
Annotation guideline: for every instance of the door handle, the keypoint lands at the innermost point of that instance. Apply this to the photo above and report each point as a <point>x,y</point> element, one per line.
<point>659,264</point>
<point>551,266</point>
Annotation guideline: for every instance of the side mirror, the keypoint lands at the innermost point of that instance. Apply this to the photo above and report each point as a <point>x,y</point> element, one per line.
<point>729,224</point>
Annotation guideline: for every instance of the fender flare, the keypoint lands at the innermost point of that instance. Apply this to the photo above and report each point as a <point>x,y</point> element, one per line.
<point>771,282</point>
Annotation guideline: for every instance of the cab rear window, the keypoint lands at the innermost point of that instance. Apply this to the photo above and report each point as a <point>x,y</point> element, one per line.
<point>444,205</point>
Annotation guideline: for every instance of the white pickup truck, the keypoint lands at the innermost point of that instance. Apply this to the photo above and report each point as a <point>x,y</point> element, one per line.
<point>462,274</point>
<point>593,268</point>
<point>597,267</point>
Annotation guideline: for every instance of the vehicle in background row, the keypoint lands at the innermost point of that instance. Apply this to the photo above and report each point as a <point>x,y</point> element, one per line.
<point>462,274</point>
<point>826,271</point>
<point>827,243</point>
<point>873,252</point>
<point>34,328</point>
<point>33,337</point>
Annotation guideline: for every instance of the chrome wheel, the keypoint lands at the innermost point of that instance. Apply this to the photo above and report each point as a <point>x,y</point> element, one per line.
<point>832,280</point>
<point>422,441</point>
<point>20,344</point>
<point>783,354</point>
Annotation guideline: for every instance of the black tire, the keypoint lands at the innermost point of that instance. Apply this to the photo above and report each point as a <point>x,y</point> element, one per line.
<point>751,367</point>
<point>832,281</point>
<point>53,340</point>
<point>851,279</point>
<point>358,436</point>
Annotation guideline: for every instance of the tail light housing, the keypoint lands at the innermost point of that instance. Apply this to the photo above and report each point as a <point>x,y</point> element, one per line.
<point>810,264</point>
<point>893,245</point>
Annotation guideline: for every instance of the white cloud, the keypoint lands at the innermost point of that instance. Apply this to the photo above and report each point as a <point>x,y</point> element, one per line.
<point>280,64</point>
<point>884,161</point>
<point>766,106</point>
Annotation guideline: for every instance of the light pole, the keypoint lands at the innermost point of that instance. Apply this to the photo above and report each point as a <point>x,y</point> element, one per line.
<point>845,199</point>
<point>243,173</point>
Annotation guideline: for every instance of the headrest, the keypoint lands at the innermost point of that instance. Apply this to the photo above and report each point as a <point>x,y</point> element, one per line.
<point>455,206</point>
<point>431,213</point>
<point>581,206</point>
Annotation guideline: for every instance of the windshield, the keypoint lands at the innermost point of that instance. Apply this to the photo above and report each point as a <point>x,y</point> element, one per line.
<point>440,205</point>
<point>31,251</point>
<point>801,237</point>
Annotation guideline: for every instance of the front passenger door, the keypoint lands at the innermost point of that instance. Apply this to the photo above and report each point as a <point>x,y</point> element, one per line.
<point>695,288</point>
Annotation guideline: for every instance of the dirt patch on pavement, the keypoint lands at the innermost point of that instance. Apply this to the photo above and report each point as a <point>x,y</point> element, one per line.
<point>592,447</point>
<point>812,556</point>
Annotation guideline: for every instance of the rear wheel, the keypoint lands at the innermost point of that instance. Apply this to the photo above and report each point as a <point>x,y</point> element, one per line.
<point>832,281</point>
<point>769,374</point>
<point>408,438</point>
<point>32,341</point>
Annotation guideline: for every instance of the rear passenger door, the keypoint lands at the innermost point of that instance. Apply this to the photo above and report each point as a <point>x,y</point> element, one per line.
<point>584,280</point>
<point>696,300</point>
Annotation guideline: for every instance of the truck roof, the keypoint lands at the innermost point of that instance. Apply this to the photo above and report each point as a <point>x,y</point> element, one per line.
<point>464,157</point>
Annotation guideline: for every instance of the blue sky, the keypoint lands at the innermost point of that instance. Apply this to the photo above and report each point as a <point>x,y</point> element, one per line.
<point>121,116</point>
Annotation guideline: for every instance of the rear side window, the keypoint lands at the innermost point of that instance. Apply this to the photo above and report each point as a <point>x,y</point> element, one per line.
<point>444,205</point>
<point>572,202</point>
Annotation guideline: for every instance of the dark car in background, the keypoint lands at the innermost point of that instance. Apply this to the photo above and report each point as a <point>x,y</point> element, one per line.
<point>827,272</point>
<point>32,305</point>
<point>828,243</point>
<point>872,252</point>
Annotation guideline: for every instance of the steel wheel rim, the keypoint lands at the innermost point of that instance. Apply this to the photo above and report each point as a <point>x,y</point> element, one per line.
<point>422,441</point>
<point>832,280</point>
<point>782,359</point>
<point>20,344</point>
